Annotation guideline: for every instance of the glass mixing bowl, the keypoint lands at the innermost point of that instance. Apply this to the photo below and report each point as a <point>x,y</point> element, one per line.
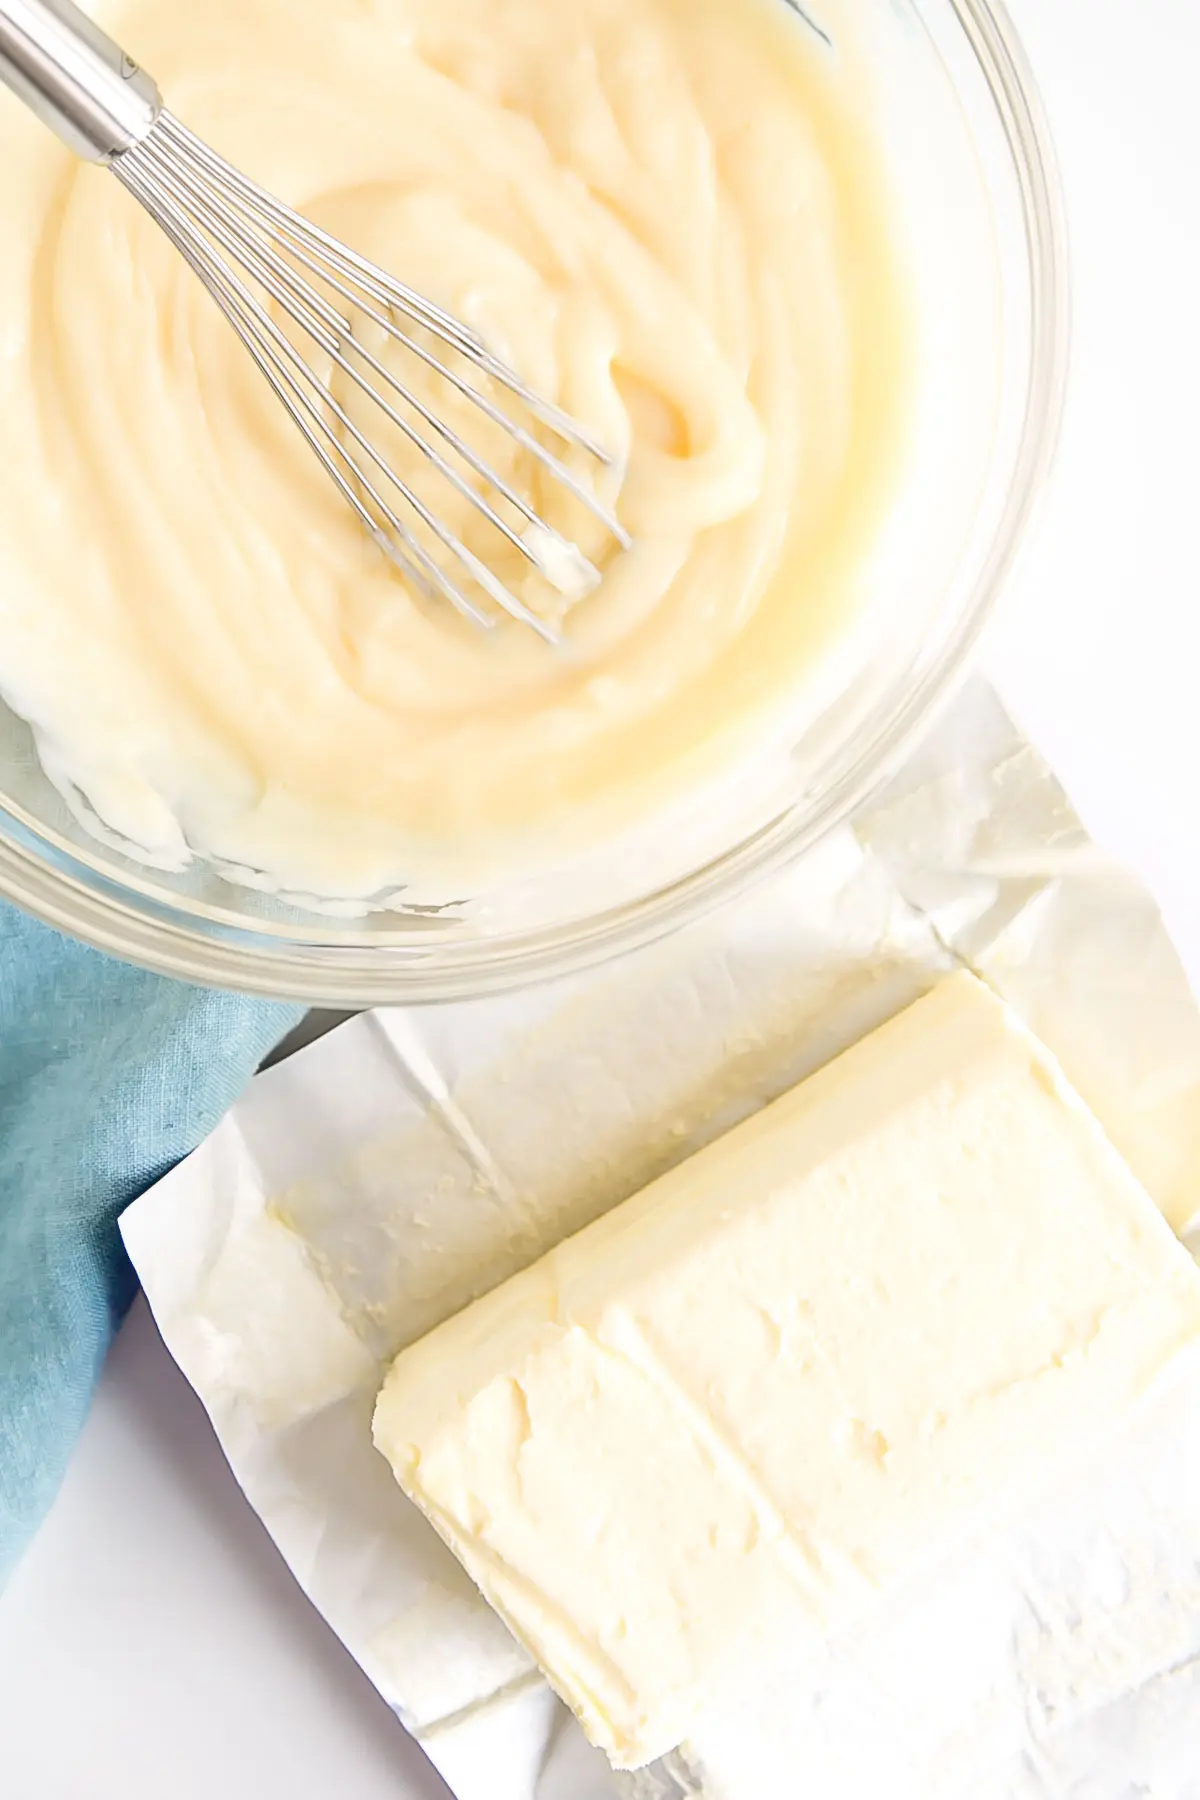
<point>972,165</point>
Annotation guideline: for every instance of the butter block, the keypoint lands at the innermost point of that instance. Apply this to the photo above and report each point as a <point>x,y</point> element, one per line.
<point>762,1391</point>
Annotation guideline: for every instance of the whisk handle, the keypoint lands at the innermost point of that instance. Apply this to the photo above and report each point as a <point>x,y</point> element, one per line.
<point>77,81</point>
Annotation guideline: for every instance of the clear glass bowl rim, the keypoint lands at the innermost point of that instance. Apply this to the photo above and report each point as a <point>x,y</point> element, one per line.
<point>65,891</point>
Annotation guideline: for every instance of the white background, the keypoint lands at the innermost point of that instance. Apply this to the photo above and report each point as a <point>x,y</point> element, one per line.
<point>152,1644</point>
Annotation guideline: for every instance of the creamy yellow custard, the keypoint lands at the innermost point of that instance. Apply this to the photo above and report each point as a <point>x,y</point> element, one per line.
<point>670,215</point>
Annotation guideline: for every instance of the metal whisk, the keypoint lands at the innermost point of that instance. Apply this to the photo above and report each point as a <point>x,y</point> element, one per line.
<point>247,246</point>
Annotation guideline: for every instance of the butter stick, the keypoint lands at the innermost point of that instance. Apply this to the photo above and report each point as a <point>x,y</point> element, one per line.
<point>759,1393</point>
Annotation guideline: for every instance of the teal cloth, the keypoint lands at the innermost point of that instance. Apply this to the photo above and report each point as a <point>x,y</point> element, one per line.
<point>108,1076</point>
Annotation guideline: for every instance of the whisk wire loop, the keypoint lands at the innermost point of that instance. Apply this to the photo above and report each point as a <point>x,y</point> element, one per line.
<point>281,364</point>
<point>233,234</point>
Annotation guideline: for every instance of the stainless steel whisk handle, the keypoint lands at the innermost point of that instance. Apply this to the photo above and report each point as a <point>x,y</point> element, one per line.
<point>77,81</point>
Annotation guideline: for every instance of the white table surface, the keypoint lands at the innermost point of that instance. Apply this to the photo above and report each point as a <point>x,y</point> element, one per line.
<point>152,1643</point>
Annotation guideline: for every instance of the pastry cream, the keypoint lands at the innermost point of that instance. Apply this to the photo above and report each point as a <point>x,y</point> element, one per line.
<point>670,215</point>
<point>762,1390</point>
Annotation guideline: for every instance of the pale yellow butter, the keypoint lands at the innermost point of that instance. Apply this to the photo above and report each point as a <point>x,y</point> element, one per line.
<point>766,1387</point>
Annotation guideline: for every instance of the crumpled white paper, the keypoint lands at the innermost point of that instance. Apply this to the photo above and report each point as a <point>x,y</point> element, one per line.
<point>380,1179</point>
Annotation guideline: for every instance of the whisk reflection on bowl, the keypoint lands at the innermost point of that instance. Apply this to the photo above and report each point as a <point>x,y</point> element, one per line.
<point>249,249</point>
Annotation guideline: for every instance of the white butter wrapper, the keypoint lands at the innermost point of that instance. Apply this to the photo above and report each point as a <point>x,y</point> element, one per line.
<point>380,1179</point>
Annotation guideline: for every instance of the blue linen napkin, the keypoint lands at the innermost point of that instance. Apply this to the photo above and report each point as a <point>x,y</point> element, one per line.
<point>108,1076</point>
